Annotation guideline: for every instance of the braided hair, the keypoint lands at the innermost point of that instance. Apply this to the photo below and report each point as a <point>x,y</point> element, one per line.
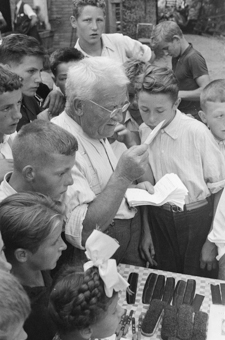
<point>77,300</point>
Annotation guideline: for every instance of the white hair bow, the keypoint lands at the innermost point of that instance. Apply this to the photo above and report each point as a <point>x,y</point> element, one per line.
<point>99,248</point>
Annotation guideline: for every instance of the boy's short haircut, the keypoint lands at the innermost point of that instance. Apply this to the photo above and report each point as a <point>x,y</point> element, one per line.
<point>78,5</point>
<point>213,92</point>
<point>165,31</point>
<point>15,47</point>
<point>157,80</point>
<point>14,303</point>
<point>9,81</point>
<point>133,68</point>
<point>37,141</point>
<point>26,220</point>
<point>64,55</point>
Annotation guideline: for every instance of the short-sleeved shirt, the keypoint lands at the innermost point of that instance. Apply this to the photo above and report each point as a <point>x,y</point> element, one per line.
<point>121,48</point>
<point>187,68</point>
<point>187,148</point>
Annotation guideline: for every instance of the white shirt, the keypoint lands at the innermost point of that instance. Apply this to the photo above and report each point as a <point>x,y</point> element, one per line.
<point>6,146</point>
<point>94,166</point>
<point>121,48</point>
<point>5,188</point>
<point>187,148</point>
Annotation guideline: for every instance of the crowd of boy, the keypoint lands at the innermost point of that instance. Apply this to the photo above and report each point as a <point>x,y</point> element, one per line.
<point>62,179</point>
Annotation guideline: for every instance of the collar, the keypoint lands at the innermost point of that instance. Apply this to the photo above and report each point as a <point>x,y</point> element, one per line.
<point>8,190</point>
<point>106,43</point>
<point>185,52</point>
<point>220,142</point>
<point>173,128</point>
<point>5,139</point>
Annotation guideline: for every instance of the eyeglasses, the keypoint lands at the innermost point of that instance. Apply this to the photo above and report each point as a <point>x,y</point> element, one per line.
<point>114,112</point>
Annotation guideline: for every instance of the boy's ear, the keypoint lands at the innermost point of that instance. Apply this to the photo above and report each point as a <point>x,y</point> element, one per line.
<point>78,106</point>
<point>73,21</point>
<point>28,173</point>
<point>176,38</point>
<point>202,116</point>
<point>177,102</point>
<point>86,333</point>
<point>21,255</point>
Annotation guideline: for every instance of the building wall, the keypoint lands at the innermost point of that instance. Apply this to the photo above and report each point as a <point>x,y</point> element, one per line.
<point>59,11</point>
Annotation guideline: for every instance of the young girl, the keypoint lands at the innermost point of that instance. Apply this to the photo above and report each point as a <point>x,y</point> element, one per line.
<point>82,305</point>
<point>31,226</point>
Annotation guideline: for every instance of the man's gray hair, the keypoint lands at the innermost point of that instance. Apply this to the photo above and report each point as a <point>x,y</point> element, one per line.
<point>90,77</point>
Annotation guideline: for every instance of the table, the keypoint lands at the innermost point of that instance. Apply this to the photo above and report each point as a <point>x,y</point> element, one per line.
<point>202,287</point>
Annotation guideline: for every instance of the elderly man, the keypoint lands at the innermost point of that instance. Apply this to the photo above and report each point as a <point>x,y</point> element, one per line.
<point>96,99</point>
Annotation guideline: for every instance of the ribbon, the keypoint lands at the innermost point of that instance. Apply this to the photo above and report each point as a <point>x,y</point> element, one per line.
<point>99,248</point>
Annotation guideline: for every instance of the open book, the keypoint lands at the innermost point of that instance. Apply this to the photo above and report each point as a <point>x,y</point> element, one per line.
<point>169,189</point>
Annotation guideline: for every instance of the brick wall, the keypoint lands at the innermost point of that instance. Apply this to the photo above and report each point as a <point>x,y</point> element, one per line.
<point>59,17</point>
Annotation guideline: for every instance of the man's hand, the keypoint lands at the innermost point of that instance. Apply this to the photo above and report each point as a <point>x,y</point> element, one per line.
<point>55,102</point>
<point>208,255</point>
<point>133,162</point>
<point>124,135</point>
<point>6,165</point>
<point>147,249</point>
<point>146,186</point>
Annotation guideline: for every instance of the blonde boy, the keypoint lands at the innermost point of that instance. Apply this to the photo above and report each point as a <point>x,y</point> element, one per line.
<point>213,114</point>
<point>213,110</point>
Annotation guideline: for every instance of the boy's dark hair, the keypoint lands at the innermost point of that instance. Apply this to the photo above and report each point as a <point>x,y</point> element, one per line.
<point>9,81</point>
<point>157,80</point>
<point>15,47</point>
<point>77,299</point>
<point>78,5</point>
<point>26,220</point>
<point>213,92</point>
<point>64,55</point>
<point>133,68</point>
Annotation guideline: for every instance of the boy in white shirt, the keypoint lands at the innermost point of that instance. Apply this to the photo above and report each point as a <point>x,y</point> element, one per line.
<point>10,102</point>
<point>185,147</point>
<point>212,101</point>
<point>213,114</point>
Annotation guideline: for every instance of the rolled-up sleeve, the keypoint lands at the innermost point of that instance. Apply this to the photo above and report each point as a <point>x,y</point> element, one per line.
<point>78,196</point>
<point>135,49</point>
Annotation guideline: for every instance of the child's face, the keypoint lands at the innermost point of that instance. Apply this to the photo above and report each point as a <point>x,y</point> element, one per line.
<point>17,332</point>
<point>53,178</point>
<point>49,251</point>
<point>10,103</point>
<point>61,76</point>
<point>109,321</point>
<point>214,117</point>
<point>172,48</point>
<point>90,25</point>
<point>4,265</point>
<point>154,108</point>
<point>30,70</point>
